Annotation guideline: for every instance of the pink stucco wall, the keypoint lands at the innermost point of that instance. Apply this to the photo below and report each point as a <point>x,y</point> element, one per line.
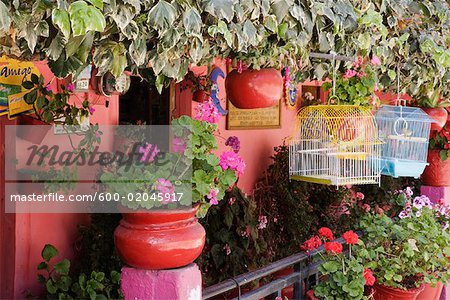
<point>33,231</point>
<point>256,144</point>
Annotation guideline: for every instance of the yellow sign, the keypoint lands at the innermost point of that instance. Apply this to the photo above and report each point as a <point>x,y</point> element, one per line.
<point>259,118</point>
<point>16,105</point>
<point>12,73</point>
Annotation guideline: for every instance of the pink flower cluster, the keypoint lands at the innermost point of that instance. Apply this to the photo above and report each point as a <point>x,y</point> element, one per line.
<point>212,196</point>
<point>262,222</point>
<point>165,187</point>
<point>207,112</point>
<point>231,160</point>
<point>149,153</point>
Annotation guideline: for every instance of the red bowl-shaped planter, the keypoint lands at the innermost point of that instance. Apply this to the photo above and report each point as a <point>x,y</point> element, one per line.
<point>439,115</point>
<point>383,292</point>
<point>254,88</point>
<point>32,134</point>
<point>431,293</point>
<point>200,96</point>
<point>160,239</point>
<point>437,172</point>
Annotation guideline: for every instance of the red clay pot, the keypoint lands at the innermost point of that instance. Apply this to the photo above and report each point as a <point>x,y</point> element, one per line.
<point>383,292</point>
<point>200,96</point>
<point>431,293</point>
<point>32,134</point>
<point>437,172</point>
<point>160,239</point>
<point>254,88</point>
<point>440,115</point>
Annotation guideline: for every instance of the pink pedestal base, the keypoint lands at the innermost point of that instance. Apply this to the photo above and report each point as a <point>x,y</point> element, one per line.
<point>175,284</point>
<point>435,193</point>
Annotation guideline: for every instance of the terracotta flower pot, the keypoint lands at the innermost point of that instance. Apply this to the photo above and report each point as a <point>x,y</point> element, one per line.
<point>33,134</point>
<point>440,115</point>
<point>431,293</point>
<point>200,96</point>
<point>160,239</point>
<point>437,172</point>
<point>254,88</point>
<point>383,292</point>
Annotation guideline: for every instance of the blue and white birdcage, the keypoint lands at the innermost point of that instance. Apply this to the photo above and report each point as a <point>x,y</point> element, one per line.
<point>405,132</point>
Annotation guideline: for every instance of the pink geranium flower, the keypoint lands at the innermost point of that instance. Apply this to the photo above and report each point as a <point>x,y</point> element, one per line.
<point>212,196</point>
<point>207,112</point>
<point>164,187</point>
<point>350,73</point>
<point>375,61</point>
<point>179,145</point>
<point>70,87</point>
<point>148,152</point>
<point>231,160</point>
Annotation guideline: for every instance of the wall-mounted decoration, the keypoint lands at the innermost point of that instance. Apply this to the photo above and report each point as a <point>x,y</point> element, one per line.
<point>12,73</point>
<point>260,118</point>
<point>405,132</point>
<point>336,145</point>
<point>108,85</point>
<point>215,75</point>
<point>251,89</point>
<point>81,84</point>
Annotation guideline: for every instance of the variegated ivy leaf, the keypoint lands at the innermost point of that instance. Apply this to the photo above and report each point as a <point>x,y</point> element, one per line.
<point>138,51</point>
<point>221,9</point>
<point>131,31</point>
<point>170,38</point>
<point>192,21</point>
<point>249,31</point>
<point>110,56</point>
<point>84,18</point>
<point>281,8</point>
<point>196,49</point>
<point>135,3</point>
<point>31,37</point>
<point>123,16</point>
<point>97,3</point>
<point>5,19</point>
<point>56,47</point>
<point>60,18</point>
<point>42,29</point>
<point>162,16</point>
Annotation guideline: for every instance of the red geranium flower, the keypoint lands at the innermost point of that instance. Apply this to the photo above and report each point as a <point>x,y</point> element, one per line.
<point>350,237</point>
<point>326,233</point>
<point>310,295</point>
<point>333,248</point>
<point>368,276</point>
<point>311,244</point>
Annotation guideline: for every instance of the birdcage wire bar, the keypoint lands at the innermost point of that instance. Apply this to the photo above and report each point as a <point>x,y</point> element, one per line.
<point>335,145</point>
<point>405,134</point>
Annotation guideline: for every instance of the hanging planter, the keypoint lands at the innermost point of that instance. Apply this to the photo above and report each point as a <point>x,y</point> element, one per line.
<point>431,293</point>
<point>160,239</point>
<point>28,130</point>
<point>383,292</point>
<point>254,88</point>
<point>440,115</point>
<point>437,172</point>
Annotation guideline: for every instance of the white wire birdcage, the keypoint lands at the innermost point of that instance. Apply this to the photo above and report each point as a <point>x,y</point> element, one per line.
<point>335,144</point>
<point>405,132</point>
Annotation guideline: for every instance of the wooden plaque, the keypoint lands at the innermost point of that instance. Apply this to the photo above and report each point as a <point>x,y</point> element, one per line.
<point>259,118</point>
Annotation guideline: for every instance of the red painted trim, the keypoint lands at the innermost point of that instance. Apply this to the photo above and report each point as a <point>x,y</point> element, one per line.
<point>7,228</point>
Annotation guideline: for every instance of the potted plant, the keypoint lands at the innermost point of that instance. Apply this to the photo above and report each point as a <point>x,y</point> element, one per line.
<point>357,84</point>
<point>249,89</point>
<point>342,276</point>
<point>164,233</point>
<point>49,107</point>
<point>433,104</point>
<point>407,251</point>
<point>436,173</point>
<point>200,85</point>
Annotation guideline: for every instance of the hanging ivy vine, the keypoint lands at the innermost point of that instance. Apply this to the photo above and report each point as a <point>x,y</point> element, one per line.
<point>170,35</point>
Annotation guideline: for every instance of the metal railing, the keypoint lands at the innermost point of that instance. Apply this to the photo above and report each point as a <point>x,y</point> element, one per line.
<point>305,275</point>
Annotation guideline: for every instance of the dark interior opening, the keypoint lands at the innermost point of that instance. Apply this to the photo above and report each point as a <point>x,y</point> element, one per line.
<point>143,104</point>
